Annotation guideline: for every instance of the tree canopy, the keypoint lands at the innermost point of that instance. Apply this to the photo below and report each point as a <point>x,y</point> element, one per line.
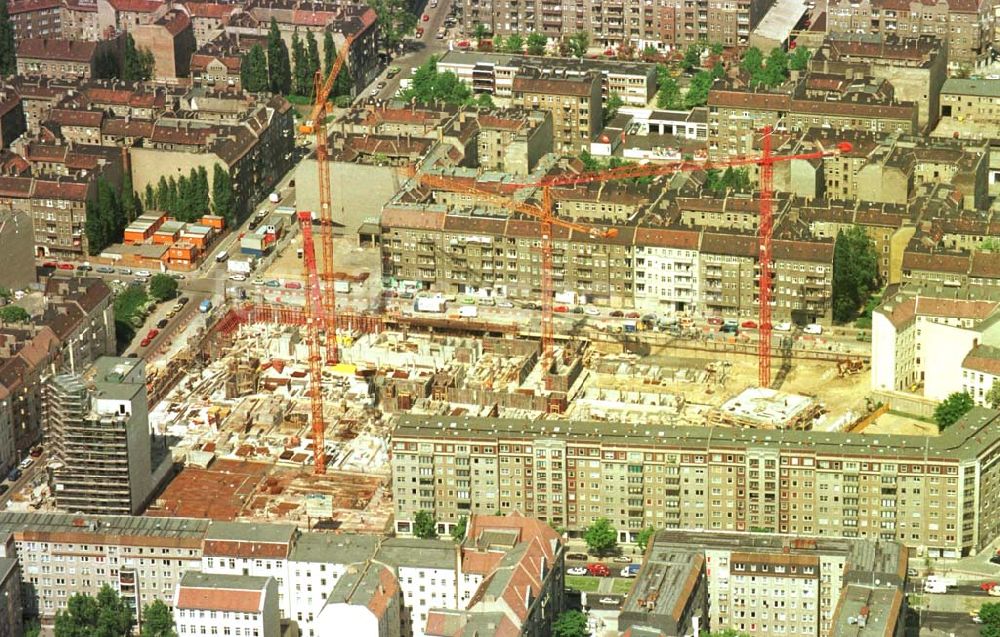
<point>14,314</point>
<point>601,537</point>
<point>425,526</point>
<point>395,20</point>
<point>458,531</point>
<point>614,103</point>
<point>157,621</point>
<point>279,69</point>
<point>993,395</point>
<point>431,86</point>
<point>799,58</point>
<point>537,43</point>
<point>185,198</point>
<point>571,623</point>
<point>163,287</point>
<point>697,94</point>
<point>137,65</point>
<point>8,49</point>
<point>731,180</point>
<point>692,57</point>
<point>105,222</point>
<point>642,539</point>
<point>855,273</point>
<point>223,197</point>
<point>253,70</point>
<point>578,43</point>
<point>990,616</point>
<point>669,95</point>
<point>513,44</point>
<point>952,408</point>
<point>107,615</point>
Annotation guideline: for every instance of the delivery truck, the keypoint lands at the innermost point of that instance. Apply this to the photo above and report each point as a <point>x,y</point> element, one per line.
<point>431,304</point>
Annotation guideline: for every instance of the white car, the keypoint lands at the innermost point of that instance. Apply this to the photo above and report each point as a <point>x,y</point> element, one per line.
<point>591,311</point>
<point>237,277</point>
<point>813,328</point>
<point>609,600</point>
<point>576,570</point>
<point>505,304</point>
<point>783,327</point>
<point>143,274</point>
<point>27,462</point>
<point>258,281</point>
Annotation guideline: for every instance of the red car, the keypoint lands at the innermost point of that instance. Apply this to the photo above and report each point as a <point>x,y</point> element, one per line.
<point>987,586</point>
<point>50,264</point>
<point>420,32</point>
<point>749,325</point>
<point>598,570</point>
<point>152,334</point>
<point>293,285</point>
<point>145,342</point>
<point>560,308</point>
<point>714,320</point>
<point>426,17</point>
<point>632,315</point>
<point>66,266</point>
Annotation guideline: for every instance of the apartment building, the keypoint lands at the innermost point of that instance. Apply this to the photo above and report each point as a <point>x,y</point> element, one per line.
<point>575,104</point>
<point>667,25</point>
<point>101,438</point>
<point>666,270</point>
<point>494,73</point>
<point>918,66</point>
<point>171,40</point>
<point>973,101</point>
<point>709,478</point>
<point>980,371</point>
<point>11,612</point>
<point>57,58</point>
<point>36,18</point>
<point>921,338</point>
<point>669,594</point>
<point>208,604</point>
<point>967,27</point>
<point>366,602</point>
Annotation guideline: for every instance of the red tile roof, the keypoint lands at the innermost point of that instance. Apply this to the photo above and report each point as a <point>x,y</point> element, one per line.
<point>25,6</point>
<point>684,239</point>
<point>55,49</point>
<point>239,601</point>
<point>210,10</point>
<point>983,358</point>
<point>135,6</point>
<point>70,191</point>
<point>72,117</point>
<point>576,87</point>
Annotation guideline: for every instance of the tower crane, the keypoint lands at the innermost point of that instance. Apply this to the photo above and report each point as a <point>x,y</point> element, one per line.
<point>765,160</point>
<point>315,318</point>
<point>316,125</point>
<point>546,220</point>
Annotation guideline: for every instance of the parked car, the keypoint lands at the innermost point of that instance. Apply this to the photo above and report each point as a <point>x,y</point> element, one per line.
<point>783,327</point>
<point>103,269</point>
<point>995,559</point>
<point>143,274</point>
<point>426,17</point>
<point>162,323</point>
<point>632,315</point>
<point>293,285</point>
<point>985,586</point>
<point>393,72</point>
<point>577,556</point>
<point>273,283</point>
<point>591,311</point>
<point>27,462</point>
<point>617,314</point>
<point>505,304</point>
<point>609,600</point>
<point>66,266</point>
<point>3,489</point>
<point>813,328</point>
<point>144,342</point>
<point>577,570</point>
<point>560,308</point>
<point>631,570</point>
<point>237,277</point>
<point>84,267</point>
<point>577,310</point>
<point>183,300</point>
<point>14,475</point>
<point>598,570</point>
<point>622,559</point>
<point>124,270</point>
<point>715,320</point>
<point>153,334</point>
<point>177,275</point>
<point>36,451</point>
<point>749,325</point>
<point>50,264</point>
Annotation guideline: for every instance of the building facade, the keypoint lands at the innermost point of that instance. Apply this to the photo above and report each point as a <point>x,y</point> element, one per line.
<point>207,604</point>
<point>577,114</point>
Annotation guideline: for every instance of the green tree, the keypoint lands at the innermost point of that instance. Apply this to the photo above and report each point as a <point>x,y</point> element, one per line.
<point>458,531</point>
<point>425,526</point>
<point>855,273</point>
<point>149,199</point>
<point>343,85</point>
<point>600,537</point>
<point>329,52</point>
<point>253,70</point>
<point>157,621</point>
<point>952,408</point>
<point>537,43</point>
<point>130,204</point>
<point>776,71</point>
<point>578,43</point>
<point>14,314</point>
<point>202,202</point>
<point>483,100</point>
<point>312,59</point>
<point>571,623</point>
<point>499,43</point>
<point>716,48</point>
<point>8,50</point>
<point>718,71</point>
<point>993,395</point>
<point>799,59</point>
<point>395,20</point>
<point>513,44</point>
<point>137,65</point>
<point>32,628</point>
<point>279,70</point>
<point>223,198</point>
<point>752,65</point>
<point>642,539</point>
<point>300,68</point>
<point>430,86</point>
<point>697,94</point>
<point>163,287</point>
<point>990,615</point>
<point>615,102</point>
<point>85,616</point>
<point>692,57</point>
<point>480,32</point>
<point>106,65</point>
<point>669,95</point>
<point>650,51</point>
<point>182,204</point>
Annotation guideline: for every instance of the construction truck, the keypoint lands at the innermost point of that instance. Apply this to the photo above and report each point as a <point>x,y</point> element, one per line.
<point>431,304</point>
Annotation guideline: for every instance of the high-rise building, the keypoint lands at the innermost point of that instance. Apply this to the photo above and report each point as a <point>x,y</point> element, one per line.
<point>100,439</point>
<point>11,622</point>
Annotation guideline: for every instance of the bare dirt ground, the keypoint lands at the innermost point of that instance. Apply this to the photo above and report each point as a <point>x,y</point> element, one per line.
<point>898,424</point>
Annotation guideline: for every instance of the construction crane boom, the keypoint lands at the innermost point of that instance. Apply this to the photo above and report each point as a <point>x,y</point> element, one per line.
<point>316,124</point>
<point>314,317</point>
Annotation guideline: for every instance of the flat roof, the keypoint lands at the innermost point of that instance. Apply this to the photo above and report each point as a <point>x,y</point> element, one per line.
<point>978,88</point>
<point>111,374</point>
<point>226,581</point>
<point>113,527</point>
<point>667,578</point>
<point>416,553</point>
<point>332,548</point>
<point>765,405</point>
<point>780,19</point>
<point>264,533</point>
<point>974,434</point>
<point>865,611</point>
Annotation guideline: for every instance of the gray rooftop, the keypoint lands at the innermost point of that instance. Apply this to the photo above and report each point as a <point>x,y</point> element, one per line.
<point>973,435</point>
<point>875,611</point>
<point>333,549</point>
<point>113,527</point>
<point>223,581</point>
<point>778,22</point>
<point>249,532</point>
<point>7,566</point>
<point>978,88</point>
<point>573,64</point>
<point>416,553</point>
<point>119,378</point>
<point>357,585</point>
<point>668,576</point>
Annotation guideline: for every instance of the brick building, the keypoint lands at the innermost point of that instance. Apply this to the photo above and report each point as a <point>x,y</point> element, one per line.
<point>577,113</point>
<point>172,42</point>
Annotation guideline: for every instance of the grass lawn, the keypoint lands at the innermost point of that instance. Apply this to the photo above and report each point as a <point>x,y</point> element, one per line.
<point>621,585</point>
<point>583,583</point>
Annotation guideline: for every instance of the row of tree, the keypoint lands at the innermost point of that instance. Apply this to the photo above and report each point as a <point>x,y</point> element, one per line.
<point>534,44</point>
<point>430,86</point>
<point>669,92</point>
<point>108,213</point>
<point>273,71</point>
<point>186,198</point>
<point>137,65</point>
<point>8,50</point>
<point>775,70</point>
<point>108,615</point>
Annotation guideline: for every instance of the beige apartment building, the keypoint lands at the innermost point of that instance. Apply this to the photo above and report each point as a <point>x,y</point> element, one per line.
<point>973,101</point>
<point>575,104</point>
<point>939,495</point>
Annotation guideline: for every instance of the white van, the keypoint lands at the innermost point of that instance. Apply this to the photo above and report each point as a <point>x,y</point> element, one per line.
<point>222,256</point>
<point>813,328</point>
